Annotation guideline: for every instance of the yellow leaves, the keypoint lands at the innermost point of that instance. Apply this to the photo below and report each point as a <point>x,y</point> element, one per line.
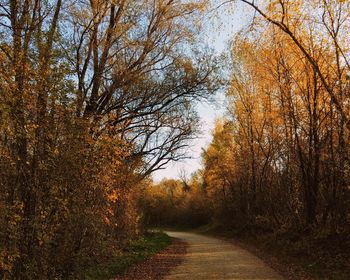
<point>114,196</point>
<point>273,6</point>
<point>7,260</point>
<point>185,64</point>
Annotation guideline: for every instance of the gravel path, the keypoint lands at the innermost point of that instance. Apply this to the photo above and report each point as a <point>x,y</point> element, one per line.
<point>211,258</point>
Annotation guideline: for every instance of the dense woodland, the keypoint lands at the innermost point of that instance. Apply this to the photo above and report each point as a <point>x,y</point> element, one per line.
<point>96,95</point>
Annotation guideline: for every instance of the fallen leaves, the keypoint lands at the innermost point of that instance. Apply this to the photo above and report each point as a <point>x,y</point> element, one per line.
<point>158,266</point>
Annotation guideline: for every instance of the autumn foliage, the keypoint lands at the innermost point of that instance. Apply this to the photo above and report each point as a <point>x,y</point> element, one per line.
<point>278,164</point>
<point>94,96</point>
<point>280,158</point>
<point>175,203</point>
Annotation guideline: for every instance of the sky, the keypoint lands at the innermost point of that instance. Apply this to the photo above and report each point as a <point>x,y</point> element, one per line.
<point>220,28</point>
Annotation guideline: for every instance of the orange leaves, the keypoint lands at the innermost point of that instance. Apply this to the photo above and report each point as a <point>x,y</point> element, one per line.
<point>114,196</point>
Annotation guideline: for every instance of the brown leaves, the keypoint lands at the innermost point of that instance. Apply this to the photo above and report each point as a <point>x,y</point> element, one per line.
<point>158,266</point>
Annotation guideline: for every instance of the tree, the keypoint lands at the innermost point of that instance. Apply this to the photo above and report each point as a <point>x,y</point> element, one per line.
<point>287,134</point>
<point>94,96</point>
<point>136,72</point>
<point>286,16</point>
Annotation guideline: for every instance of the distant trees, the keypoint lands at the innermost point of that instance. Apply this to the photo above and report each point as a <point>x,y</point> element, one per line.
<point>172,203</point>
<point>94,96</point>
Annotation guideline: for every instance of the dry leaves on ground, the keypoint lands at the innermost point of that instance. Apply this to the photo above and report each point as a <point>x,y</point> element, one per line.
<point>158,266</point>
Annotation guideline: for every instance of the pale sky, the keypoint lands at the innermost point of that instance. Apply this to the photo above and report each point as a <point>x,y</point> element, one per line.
<point>220,29</point>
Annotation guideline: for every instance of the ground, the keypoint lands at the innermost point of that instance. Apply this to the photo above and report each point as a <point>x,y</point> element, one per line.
<point>159,265</point>
<point>211,258</point>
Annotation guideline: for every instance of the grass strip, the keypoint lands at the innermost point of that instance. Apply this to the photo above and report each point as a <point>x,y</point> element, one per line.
<point>134,253</point>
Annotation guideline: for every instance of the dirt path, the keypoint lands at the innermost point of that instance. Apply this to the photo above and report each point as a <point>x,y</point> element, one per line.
<point>210,258</point>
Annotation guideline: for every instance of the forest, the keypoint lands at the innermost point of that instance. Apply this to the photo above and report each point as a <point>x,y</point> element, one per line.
<point>97,95</point>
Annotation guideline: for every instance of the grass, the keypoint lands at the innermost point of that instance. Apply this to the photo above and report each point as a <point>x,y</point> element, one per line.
<point>134,253</point>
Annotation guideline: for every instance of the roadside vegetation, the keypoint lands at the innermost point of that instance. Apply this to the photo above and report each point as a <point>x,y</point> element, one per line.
<point>134,252</point>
